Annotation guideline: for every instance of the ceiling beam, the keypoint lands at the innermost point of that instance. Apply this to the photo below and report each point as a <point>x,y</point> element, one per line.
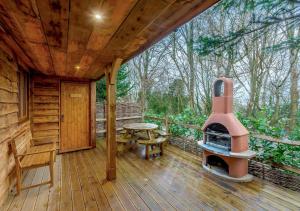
<point>114,70</point>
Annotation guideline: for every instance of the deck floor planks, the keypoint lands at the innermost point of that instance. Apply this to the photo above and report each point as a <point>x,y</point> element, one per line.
<point>29,203</point>
<point>277,198</point>
<point>86,185</point>
<point>156,191</point>
<point>177,203</point>
<point>174,181</point>
<point>167,182</point>
<point>142,185</point>
<point>259,193</point>
<point>96,180</point>
<point>18,202</point>
<point>287,194</point>
<point>66,194</point>
<point>110,194</point>
<point>122,196</point>
<point>169,173</point>
<point>144,195</point>
<point>54,194</point>
<point>184,190</point>
<point>243,192</point>
<point>11,196</point>
<point>200,183</point>
<point>43,194</point>
<point>77,196</point>
<point>137,201</point>
<point>231,190</point>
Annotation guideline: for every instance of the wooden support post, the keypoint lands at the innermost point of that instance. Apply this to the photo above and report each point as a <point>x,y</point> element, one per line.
<point>111,75</point>
<point>93,111</point>
<point>147,151</point>
<point>167,124</point>
<point>51,168</point>
<point>143,117</point>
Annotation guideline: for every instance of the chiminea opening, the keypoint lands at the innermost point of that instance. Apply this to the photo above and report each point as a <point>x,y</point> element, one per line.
<point>218,136</point>
<point>216,163</point>
<point>219,88</point>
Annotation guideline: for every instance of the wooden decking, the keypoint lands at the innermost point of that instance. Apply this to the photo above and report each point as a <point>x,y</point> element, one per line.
<point>174,181</point>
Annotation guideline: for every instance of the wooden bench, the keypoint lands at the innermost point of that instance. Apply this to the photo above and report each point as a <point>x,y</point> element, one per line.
<point>141,135</point>
<point>154,146</point>
<point>44,146</point>
<point>124,142</point>
<point>157,134</point>
<point>161,133</point>
<point>34,157</point>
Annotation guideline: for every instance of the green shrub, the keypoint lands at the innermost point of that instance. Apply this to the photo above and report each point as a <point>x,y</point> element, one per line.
<point>266,151</point>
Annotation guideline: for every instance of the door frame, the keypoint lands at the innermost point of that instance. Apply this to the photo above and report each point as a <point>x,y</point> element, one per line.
<point>90,113</point>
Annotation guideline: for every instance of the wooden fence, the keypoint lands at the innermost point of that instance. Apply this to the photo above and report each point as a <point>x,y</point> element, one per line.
<point>126,113</point>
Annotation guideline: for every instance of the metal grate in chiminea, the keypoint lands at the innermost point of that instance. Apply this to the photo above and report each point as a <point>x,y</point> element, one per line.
<point>225,143</point>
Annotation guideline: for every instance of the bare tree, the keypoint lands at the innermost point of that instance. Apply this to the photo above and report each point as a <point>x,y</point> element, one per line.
<point>183,58</point>
<point>146,68</point>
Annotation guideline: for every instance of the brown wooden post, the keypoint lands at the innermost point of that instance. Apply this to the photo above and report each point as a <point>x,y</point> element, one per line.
<point>167,133</point>
<point>167,124</point>
<point>143,117</point>
<point>93,111</point>
<point>111,75</point>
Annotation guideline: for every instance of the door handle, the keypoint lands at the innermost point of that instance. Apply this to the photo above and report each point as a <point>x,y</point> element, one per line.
<point>62,117</point>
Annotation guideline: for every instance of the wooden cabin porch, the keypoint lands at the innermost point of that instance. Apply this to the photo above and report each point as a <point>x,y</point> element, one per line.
<point>174,181</point>
<point>51,55</point>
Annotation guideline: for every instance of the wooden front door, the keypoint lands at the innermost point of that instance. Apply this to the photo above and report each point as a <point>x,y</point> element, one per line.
<point>75,116</point>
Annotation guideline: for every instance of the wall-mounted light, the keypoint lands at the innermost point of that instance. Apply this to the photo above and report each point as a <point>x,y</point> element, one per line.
<point>77,67</point>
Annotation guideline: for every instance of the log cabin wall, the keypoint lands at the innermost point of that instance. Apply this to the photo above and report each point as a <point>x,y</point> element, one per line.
<point>46,108</point>
<point>10,126</point>
<point>45,113</point>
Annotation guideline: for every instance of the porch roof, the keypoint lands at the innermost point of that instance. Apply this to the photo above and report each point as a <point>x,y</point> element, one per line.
<point>64,37</point>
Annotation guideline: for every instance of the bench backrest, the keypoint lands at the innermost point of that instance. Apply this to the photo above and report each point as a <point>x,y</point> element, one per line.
<point>20,144</point>
<point>15,151</point>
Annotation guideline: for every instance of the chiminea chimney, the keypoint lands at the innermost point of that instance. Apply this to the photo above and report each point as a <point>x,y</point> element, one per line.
<point>225,144</point>
<point>222,96</point>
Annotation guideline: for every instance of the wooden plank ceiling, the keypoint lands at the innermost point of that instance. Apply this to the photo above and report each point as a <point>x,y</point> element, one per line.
<point>63,37</point>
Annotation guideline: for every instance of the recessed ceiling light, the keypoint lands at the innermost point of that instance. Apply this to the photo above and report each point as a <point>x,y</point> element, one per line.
<point>98,16</point>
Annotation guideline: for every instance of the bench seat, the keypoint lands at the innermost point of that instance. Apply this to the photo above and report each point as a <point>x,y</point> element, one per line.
<point>158,140</point>
<point>124,143</point>
<point>154,146</point>
<point>36,160</point>
<point>161,133</point>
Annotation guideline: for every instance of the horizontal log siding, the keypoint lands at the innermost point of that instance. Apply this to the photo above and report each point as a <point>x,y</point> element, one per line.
<point>10,127</point>
<point>45,109</point>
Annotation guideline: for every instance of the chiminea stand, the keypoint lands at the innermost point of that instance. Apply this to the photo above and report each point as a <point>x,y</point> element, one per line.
<point>225,143</point>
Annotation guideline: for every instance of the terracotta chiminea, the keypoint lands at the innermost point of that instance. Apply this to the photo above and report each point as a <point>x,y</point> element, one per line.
<point>225,143</point>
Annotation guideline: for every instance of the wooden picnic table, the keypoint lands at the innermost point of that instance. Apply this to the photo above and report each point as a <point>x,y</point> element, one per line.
<point>147,127</point>
<point>154,146</point>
